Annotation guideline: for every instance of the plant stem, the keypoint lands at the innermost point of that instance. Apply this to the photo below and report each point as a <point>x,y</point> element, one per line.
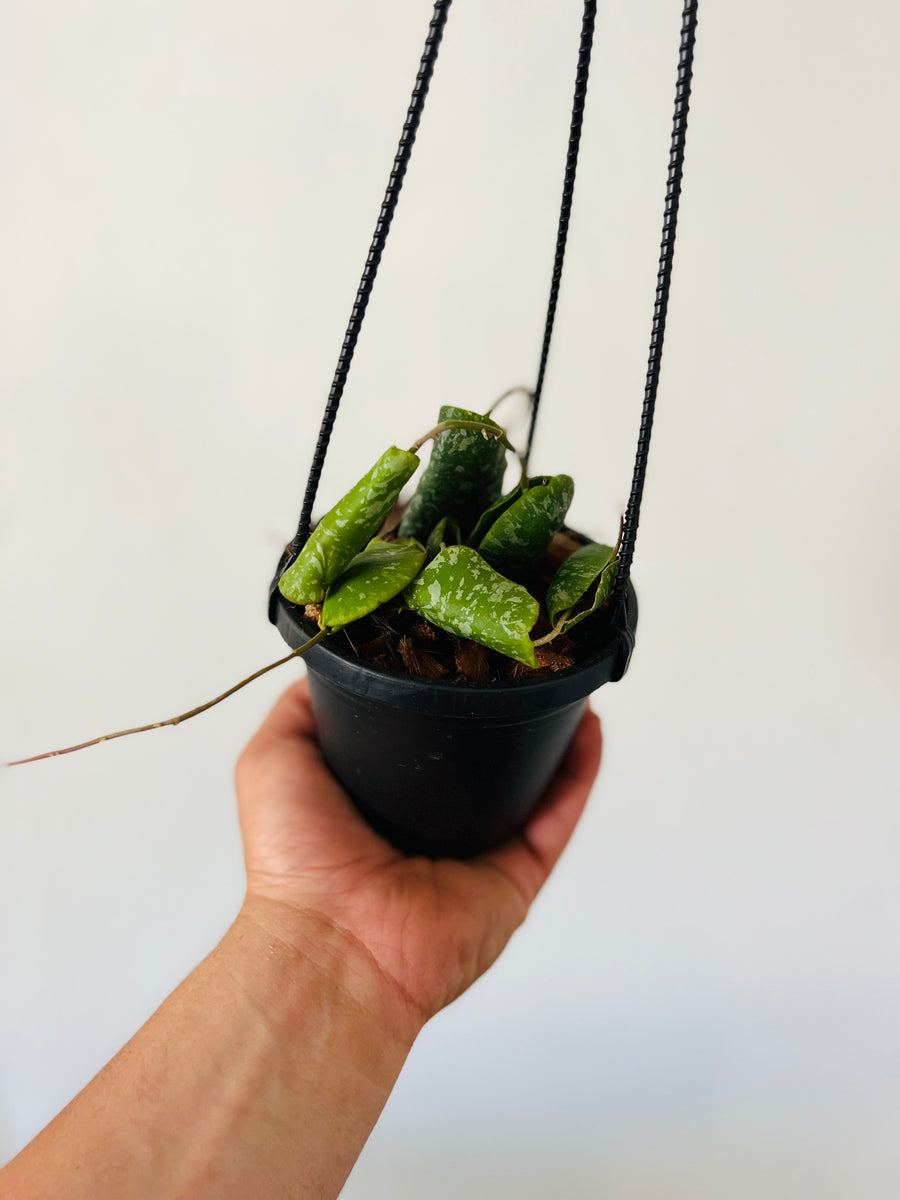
<point>108,737</point>
<point>513,391</point>
<point>548,637</point>
<point>618,545</point>
<point>520,389</point>
<point>489,431</point>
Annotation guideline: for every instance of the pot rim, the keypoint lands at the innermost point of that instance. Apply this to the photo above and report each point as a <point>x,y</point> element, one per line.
<point>441,698</point>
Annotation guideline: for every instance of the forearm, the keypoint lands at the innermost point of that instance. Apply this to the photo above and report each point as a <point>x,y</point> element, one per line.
<point>261,1075</point>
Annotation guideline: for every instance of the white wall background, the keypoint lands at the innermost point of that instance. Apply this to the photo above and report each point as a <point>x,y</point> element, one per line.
<point>706,1002</point>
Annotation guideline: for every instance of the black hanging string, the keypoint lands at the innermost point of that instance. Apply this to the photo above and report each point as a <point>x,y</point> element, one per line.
<point>664,273</point>
<point>661,302</point>
<point>581,82</point>
<point>385,216</point>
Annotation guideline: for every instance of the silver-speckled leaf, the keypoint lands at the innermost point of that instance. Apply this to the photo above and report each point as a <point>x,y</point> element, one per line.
<point>582,583</point>
<point>522,533</point>
<point>464,475</point>
<point>375,576</point>
<point>460,592</point>
<point>490,515</point>
<point>347,528</point>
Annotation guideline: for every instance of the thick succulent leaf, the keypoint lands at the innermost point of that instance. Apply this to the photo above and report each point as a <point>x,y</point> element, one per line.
<point>460,592</point>
<point>445,533</point>
<point>375,576</point>
<point>347,528</point>
<point>582,583</point>
<point>463,476</point>
<point>524,530</point>
<point>575,576</point>
<point>600,596</point>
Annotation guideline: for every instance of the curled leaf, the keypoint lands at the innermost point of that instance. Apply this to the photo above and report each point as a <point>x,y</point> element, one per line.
<point>523,529</point>
<point>445,533</point>
<point>375,576</point>
<point>463,476</point>
<point>460,592</point>
<point>582,583</point>
<point>347,528</point>
<point>496,510</point>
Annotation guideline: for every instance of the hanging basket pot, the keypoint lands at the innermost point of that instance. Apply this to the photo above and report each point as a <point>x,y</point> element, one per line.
<point>455,768</point>
<point>448,769</point>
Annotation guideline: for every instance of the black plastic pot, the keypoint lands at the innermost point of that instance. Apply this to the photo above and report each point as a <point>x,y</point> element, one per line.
<point>448,769</point>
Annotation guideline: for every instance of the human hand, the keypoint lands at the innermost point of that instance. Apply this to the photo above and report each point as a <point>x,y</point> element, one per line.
<point>427,927</point>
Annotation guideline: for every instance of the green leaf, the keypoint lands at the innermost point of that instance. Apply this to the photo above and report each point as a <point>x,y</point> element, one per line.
<point>490,515</point>
<point>375,576</point>
<point>582,583</point>
<point>463,476</point>
<point>524,529</point>
<point>347,528</point>
<point>460,592</point>
<point>445,533</point>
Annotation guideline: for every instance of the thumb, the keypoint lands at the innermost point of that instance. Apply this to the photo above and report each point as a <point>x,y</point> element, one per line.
<point>292,809</point>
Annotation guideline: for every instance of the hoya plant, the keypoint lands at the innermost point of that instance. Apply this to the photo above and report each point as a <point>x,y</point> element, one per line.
<point>462,553</point>
<point>461,556</point>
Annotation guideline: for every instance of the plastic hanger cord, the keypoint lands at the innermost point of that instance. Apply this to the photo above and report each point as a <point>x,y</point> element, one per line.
<point>370,270</point>
<point>663,278</point>
<point>661,302</point>
<point>389,204</point>
<point>565,208</point>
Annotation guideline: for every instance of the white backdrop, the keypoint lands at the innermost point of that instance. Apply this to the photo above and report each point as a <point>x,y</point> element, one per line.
<point>706,1001</point>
